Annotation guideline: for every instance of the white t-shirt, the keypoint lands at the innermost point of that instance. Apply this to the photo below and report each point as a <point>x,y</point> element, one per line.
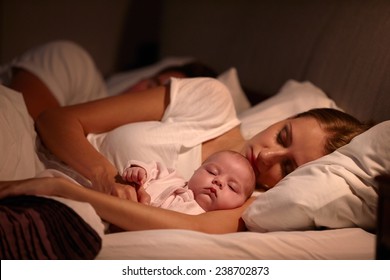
<point>200,109</point>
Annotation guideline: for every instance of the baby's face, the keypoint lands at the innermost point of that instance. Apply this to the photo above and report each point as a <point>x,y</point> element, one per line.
<point>224,181</point>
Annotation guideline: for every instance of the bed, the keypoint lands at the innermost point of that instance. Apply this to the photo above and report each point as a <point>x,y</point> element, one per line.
<point>327,58</point>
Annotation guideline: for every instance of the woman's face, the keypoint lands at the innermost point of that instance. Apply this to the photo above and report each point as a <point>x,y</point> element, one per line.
<point>284,146</point>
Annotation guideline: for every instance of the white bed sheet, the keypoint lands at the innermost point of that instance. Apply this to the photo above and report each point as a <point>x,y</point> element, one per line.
<point>339,244</point>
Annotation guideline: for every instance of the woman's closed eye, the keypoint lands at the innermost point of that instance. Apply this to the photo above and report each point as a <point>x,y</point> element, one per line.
<point>284,136</point>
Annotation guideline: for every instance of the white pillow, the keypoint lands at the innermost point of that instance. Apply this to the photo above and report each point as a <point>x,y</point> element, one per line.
<point>18,158</point>
<point>335,191</point>
<point>230,79</point>
<point>293,98</point>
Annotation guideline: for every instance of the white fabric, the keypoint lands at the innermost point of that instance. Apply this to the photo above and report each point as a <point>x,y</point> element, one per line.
<point>18,158</point>
<point>200,109</point>
<point>167,189</point>
<point>294,97</point>
<point>65,68</point>
<point>340,244</point>
<point>335,191</point>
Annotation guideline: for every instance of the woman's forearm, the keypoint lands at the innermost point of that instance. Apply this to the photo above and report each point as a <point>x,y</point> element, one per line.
<point>132,216</point>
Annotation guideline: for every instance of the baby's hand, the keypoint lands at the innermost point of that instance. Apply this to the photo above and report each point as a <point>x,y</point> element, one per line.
<point>135,174</point>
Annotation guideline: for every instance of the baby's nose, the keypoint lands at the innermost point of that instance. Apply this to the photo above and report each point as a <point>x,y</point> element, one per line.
<point>217,182</point>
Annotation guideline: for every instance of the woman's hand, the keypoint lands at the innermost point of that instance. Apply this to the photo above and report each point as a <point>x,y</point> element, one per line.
<point>129,192</point>
<point>123,189</point>
<point>143,196</point>
<point>108,181</point>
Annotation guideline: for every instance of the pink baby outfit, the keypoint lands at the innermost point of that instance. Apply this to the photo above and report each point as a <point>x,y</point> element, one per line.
<point>167,189</point>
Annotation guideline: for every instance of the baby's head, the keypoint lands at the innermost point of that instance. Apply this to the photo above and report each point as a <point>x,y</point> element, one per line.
<point>224,181</point>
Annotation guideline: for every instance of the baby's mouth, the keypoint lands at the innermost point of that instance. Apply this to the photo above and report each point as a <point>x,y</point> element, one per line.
<point>213,192</point>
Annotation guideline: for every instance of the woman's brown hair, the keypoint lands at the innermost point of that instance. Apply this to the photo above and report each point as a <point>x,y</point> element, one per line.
<point>340,127</point>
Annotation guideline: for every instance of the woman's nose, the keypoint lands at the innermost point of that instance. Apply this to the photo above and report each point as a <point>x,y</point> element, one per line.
<point>270,157</point>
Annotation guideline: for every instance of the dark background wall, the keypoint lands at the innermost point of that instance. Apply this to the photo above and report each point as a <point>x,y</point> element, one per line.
<point>120,34</point>
<point>342,46</point>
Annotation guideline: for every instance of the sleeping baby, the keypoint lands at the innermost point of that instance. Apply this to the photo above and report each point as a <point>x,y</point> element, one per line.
<point>225,180</point>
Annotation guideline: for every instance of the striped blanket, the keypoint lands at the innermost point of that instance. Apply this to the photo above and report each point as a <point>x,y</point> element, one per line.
<point>33,227</point>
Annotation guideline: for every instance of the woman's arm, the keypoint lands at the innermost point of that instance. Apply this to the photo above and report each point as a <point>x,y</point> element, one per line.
<point>126,214</point>
<point>64,130</point>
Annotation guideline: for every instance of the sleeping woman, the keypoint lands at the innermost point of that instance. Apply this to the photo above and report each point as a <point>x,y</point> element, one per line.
<point>179,124</point>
